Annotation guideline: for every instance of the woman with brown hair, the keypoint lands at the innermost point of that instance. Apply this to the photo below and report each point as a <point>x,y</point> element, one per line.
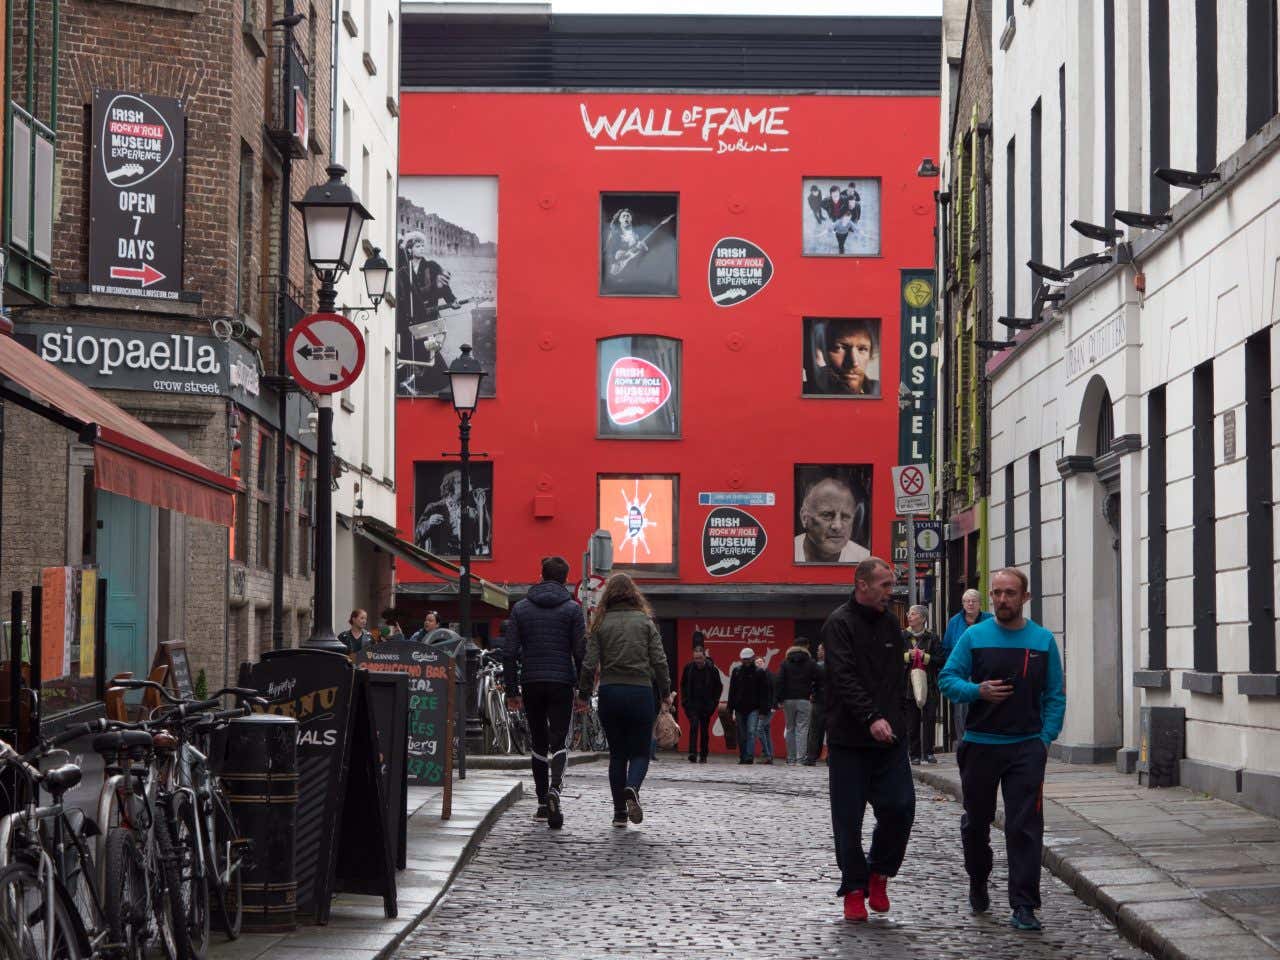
<point>626,646</point>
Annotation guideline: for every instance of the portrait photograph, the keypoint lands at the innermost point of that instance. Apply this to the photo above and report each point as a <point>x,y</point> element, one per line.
<point>841,357</point>
<point>638,244</point>
<point>446,281</point>
<point>841,216</point>
<point>438,507</point>
<point>832,513</point>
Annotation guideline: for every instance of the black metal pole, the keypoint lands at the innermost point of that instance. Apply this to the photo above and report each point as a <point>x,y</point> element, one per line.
<point>464,553</point>
<point>322,634</point>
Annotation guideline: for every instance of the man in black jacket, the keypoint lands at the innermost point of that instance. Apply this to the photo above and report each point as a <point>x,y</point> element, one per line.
<point>700,687</point>
<point>543,650</point>
<point>866,732</point>
<point>818,718</point>
<point>747,691</point>
<point>794,690</point>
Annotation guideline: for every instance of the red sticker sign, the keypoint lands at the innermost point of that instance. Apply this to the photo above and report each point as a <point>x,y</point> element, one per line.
<point>636,390</point>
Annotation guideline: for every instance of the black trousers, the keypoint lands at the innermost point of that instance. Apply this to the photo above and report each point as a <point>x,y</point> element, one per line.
<point>549,707</point>
<point>882,778</point>
<point>699,733</point>
<point>1017,769</point>
<point>930,717</point>
<point>817,730</point>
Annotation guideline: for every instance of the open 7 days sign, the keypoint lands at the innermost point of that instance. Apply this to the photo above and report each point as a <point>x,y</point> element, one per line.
<point>136,195</point>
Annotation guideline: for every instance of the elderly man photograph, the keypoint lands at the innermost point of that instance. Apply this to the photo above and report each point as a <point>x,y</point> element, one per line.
<point>866,691</point>
<point>829,514</point>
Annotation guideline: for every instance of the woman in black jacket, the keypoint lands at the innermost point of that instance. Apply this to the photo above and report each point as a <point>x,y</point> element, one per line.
<point>700,688</point>
<point>922,652</point>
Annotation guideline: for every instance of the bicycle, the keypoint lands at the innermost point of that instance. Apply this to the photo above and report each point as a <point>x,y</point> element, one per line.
<point>588,731</point>
<point>493,702</point>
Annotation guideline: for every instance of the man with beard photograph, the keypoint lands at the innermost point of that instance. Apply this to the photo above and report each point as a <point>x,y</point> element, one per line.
<point>638,244</point>
<point>832,512</point>
<point>841,357</point>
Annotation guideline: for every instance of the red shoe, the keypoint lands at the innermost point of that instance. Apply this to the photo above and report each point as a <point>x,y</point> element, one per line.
<point>855,911</point>
<point>877,894</point>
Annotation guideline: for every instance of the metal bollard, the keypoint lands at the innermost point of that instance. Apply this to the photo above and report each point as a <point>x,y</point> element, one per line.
<point>260,774</point>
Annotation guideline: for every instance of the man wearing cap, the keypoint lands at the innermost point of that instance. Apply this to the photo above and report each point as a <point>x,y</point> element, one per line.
<point>746,693</point>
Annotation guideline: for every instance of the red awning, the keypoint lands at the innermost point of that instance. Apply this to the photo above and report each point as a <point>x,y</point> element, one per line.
<point>129,458</point>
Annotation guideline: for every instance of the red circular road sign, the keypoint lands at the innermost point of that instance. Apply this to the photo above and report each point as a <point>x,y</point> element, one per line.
<point>324,352</point>
<point>912,480</point>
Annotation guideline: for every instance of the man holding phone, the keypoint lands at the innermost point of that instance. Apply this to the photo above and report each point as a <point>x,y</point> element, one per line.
<point>1010,673</point>
<point>866,692</point>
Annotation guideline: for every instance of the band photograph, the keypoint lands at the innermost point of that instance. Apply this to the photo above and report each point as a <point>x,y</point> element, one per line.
<point>841,217</point>
<point>841,357</point>
<point>446,280</point>
<point>833,513</point>
<point>438,506</point>
<point>638,244</point>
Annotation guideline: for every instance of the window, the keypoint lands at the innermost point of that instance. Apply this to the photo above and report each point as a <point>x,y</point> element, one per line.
<point>306,494</point>
<point>841,216</point>
<point>438,508</point>
<point>290,486</point>
<point>1206,84</point>
<point>1257,420</point>
<point>638,244</point>
<point>1158,84</point>
<point>1008,515</point>
<point>346,134</point>
<point>1062,164</point>
<point>1203,548</point>
<point>240,532</point>
<point>642,513</point>
<point>638,387</point>
<point>263,486</point>
<point>389,216</point>
<point>1010,230</point>
<point>1109,111</point>
<point>1036,191</point>
<point>841,357</point>
<point>388,411</point>
<point>367,25</point>
<point>244,233</point>
<point>391,57</point>
<point>367,432</point>
<point>1033,519</point>
<point>1260,102</point>
<point>1157,533</point>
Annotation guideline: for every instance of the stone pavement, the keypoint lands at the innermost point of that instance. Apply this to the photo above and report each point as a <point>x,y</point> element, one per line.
<point>436,851</point>
<point>730,861</point>
<point>1183,875</point>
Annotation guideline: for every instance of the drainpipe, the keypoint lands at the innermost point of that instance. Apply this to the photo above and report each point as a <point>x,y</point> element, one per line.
<point>984,330</point>
<point>942,206</point>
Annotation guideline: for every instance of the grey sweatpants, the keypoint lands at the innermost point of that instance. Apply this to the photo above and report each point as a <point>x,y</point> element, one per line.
<point>796,713</point>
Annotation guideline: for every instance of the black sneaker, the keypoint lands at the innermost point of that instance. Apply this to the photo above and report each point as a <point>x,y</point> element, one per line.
<point>634,813</point>
<point>931,759</point>
<point>808,763</point>
<point>979,898</point>
<point>702,759</point>
<point>693,758</point>
<point>555,818</point>
<point>620,818</point>
<point>541,812</point>
<point>1024,918</point>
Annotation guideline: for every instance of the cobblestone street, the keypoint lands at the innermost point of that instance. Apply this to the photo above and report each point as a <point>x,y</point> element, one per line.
<point>730,862</point>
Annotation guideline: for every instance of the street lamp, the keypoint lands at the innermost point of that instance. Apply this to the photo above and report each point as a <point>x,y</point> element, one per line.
<point>377,274</point>
<point>465,374</point>
<point>333,218</point>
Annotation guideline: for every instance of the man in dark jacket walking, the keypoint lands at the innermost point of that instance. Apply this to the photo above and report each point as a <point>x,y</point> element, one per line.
<point>746,693</point>
<point>543,650</point>
<point>796,678</point>
<point>866,731</point>
<point>818,718</point>
<point>700,687</point>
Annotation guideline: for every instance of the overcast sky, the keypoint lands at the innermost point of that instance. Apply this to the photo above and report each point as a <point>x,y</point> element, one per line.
<point>827,8</point>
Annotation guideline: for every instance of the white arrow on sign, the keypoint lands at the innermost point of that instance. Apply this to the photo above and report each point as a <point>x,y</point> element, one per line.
<point>325,352</point>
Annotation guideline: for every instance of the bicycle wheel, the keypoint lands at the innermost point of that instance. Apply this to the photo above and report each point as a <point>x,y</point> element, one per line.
<point>501,722</point>
<point>226,883</point>
<point>126,894</point>
<point>195,891</point>
<point>178,892</point>
<point>25,914</point>
<point>9,949</point>
<point>79,875</point>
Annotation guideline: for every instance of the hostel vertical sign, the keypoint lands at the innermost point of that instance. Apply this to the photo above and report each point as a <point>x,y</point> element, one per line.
<point>136,199</point>
<point>915,422</point>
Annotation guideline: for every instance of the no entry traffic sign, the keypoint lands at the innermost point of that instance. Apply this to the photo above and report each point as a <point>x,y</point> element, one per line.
<point>325,352</point>
<point>911,490</point>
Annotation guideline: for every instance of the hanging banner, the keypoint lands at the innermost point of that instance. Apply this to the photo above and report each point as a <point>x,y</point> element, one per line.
<point>731,540</point>
<point>737,272</point>
<point>915,423</point>
<point>636,390</point>
<point>136,195</point>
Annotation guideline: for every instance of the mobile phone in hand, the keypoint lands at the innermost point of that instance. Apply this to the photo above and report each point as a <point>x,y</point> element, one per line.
<point>1010,680</point>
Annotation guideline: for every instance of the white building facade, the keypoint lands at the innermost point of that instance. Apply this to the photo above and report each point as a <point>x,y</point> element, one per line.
<point>366,141</point>
<point>1133,443</point>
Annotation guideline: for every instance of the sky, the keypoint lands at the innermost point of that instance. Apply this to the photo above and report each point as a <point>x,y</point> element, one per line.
<point>827,8</point>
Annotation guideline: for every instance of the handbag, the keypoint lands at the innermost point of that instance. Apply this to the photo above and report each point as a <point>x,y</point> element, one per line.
<point>666,730</point>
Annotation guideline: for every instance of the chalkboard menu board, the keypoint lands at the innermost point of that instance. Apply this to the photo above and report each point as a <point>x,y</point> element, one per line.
<point>429,672</point>
<point>174,654</point>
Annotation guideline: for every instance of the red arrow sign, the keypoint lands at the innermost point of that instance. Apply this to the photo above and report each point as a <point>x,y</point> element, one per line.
<point>147,274</point>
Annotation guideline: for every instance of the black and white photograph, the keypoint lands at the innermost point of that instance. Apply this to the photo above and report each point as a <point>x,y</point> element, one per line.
<point>841,217</point>
<point>446,280</point>
<point>438,506</point>
<point>841,357</point>
<point>832,513</point>
<point>639,244</point>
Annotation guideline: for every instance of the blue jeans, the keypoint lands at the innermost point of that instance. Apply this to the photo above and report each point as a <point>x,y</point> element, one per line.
<point>764,733</point>
<point>627,715</point>
<point>746,734</point>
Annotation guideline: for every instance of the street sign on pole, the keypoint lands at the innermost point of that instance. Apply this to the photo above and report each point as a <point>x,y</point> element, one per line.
<point>928,541</point>
<point>324,352</point>
<point>912,492</point>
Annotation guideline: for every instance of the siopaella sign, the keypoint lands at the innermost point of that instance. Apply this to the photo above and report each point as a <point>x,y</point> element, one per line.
<point>693,128</point>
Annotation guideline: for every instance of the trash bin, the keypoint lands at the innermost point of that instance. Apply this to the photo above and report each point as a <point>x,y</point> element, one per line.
<point>260,776</point>
<point>1161,745</point>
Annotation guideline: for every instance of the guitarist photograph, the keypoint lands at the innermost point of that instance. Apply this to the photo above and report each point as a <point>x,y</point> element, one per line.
<point>638,245</point>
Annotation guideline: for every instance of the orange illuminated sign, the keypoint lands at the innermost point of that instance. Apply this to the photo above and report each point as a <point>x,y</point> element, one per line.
<point>640,512</point>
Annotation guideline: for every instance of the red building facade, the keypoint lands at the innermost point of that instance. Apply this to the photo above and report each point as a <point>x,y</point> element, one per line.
<point>759,373</point>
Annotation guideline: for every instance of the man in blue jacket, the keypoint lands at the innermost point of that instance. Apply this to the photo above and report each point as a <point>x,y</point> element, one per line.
<point>1010,673</point>
<point>543,651</point>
